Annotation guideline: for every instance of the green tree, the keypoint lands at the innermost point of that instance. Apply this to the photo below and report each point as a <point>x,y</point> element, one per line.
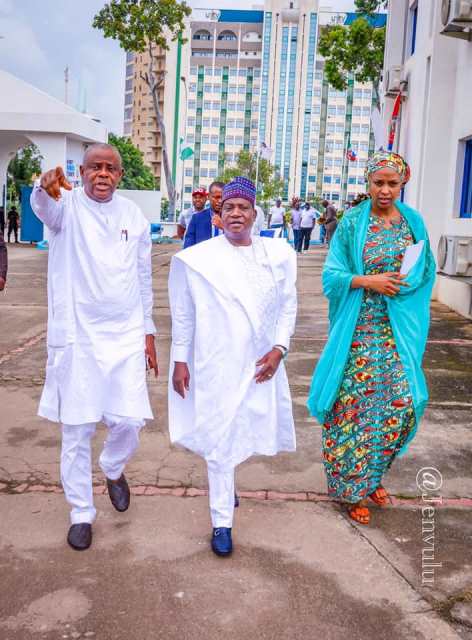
<point>23,168</point>
<point>147,25</point>
<point>137,174</point>
<point>316,203</point>
<point>356,49</point>
<point>164,209</point>
<point>370,7</point>
<point>269,186</point>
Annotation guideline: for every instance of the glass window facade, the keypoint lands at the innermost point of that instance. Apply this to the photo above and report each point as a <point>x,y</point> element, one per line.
<point>198,125</point>
<point>223,115</point>
<point>265,74</point>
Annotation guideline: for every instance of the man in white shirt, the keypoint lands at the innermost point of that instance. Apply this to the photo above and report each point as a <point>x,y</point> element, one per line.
<point>276,215</point>
<point>199,198</point>
<point>100,328</point>
<point>307,222</point>
<point>229,397</point>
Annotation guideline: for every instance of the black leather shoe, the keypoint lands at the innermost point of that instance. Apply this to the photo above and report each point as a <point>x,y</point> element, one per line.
<point>80,536</point>
<point>221,542</point>
<point>119,493</point>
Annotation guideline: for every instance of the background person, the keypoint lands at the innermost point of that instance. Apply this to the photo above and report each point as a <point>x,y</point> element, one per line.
<point>296,217</point>
<point>276,215</point>
<point>307,222</point>
<point>330,220</point>
<point>321,222</point>
<point>259,222</point>
<point>368,389</point>
<point>207,223</point>
<point>13,223</point>
<point>199,198</point>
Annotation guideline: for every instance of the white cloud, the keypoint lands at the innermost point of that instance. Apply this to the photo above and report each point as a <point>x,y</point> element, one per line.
<point>19,47</point>
<point>42,37</point>
<point>6,6</point>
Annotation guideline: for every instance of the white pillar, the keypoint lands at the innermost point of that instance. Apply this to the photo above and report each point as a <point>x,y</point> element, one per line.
<point>52,147</point>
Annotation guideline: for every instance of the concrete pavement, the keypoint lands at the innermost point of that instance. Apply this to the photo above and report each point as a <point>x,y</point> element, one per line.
<point>301,569</point>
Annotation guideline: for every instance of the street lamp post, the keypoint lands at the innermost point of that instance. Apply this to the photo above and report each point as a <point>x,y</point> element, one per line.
<point>184,82</point>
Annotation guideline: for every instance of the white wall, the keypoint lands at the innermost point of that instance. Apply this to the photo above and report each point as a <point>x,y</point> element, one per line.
<point>52,147</point>
<point>148,201</point>
<point>436,119</point>
<point>74,155</point>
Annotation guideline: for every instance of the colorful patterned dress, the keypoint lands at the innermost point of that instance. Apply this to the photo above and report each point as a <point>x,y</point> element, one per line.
<point>373,413</point>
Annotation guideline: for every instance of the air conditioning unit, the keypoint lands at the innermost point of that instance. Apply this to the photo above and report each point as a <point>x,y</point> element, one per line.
<point>394,80</point>
<point>456,16</point>
<point>455,255</point>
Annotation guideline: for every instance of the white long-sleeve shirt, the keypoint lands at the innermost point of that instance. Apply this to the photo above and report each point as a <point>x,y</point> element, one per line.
<point>99,307</point>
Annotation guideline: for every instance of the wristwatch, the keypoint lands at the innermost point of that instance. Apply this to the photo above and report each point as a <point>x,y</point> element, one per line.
<point>283,350</point>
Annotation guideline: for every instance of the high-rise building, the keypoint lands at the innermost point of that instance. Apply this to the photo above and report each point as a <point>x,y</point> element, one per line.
<point>223,53</point>
<point>309,124</point>
<point>256,76</point>
<point>139,117</point>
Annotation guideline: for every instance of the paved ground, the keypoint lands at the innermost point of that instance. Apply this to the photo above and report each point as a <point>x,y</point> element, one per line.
<point>300,569</point>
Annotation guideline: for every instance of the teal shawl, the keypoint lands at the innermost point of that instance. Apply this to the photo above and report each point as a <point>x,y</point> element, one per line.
<point>408,311</point>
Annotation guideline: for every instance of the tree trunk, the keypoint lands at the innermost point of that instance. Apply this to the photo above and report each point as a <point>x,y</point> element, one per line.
<point>154,85</point>
<point>376,93</point>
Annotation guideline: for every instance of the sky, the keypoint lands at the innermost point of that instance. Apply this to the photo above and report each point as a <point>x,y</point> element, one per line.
<point>39,39</point>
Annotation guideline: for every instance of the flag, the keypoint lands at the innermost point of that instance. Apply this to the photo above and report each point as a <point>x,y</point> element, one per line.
<point>186,151</point>
<point>351,155</point>
<point>265,152</point>
<point>397,105</point>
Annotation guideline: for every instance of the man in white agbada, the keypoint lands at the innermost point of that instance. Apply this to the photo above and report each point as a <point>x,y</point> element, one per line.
<point>100,328</point>
<point>233,305</point>
<point>259,222</point>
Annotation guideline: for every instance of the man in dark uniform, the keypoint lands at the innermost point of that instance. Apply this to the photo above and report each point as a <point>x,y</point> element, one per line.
<point>13,223</point>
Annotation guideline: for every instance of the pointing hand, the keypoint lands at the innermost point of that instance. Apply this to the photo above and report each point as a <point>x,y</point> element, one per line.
<point>53,180</point>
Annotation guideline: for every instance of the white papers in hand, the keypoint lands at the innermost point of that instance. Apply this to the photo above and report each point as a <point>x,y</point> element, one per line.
<point>412,253</point>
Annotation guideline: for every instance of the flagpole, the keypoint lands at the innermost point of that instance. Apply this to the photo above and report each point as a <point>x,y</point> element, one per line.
<point>258,149</point>
<point>257,166</point>
<point>182,178</point>
<point>343,195</point>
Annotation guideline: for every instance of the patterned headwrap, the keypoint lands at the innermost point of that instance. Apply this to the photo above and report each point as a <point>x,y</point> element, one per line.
<point>387,160</point>
<point>240,188</point>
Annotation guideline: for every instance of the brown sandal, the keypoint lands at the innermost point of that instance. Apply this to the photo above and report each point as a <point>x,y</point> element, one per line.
<point>380,497</point>
<point>359,514</point>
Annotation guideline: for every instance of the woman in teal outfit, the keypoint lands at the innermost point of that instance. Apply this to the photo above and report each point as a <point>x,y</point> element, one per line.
<point>368,389</point>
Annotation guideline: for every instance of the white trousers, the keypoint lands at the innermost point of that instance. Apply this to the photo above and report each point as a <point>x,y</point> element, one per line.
<point>221,495</point>
<point>76,460</point>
